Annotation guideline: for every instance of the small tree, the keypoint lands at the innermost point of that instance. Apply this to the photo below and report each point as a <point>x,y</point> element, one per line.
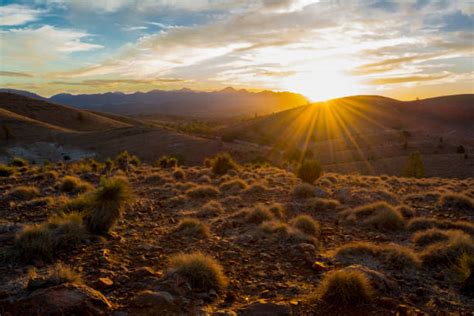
<point>461,149</point>
<point>414,167</point>
<point>309,171</point>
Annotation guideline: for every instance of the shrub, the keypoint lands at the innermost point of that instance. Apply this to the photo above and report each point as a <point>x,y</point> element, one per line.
<point>211,208</point>
<point>193,227</point>
<point>19,162</point>
<point>222,163</point>
<point>167,162</point>
<point>379,215</point>
<point>124,160</point>
<point>256,188</point>
<point>310,171</point>
<point>234,185</point>
<point>285,233</point>
<point>203,192</point>
<point>422,223</point>
<point>81,204</point>
<point>345,287</point>
<point>277,210</point>
<point>457,202</point>
<point>465,270</point>
<point>108,202</point>
<point>58,274</point>
<point>259,214</point>
<point>303,191</point>
<point>448,252</point>
<point>201,271</point>
<point>24,192</point>
<point>71,184</point>
<point>391,255</point>
<point>179,174</point>
<point>6,171</point>
<point>48,175</point>
<point>43,241</point>
<point>414,167</point>
<point>406,211</point>
<point>306,224</point>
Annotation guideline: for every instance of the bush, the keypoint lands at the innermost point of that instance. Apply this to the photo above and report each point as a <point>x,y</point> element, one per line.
<point>24,192</point>
<point>201,271</point>
<point>71,184</point>
<point>434,235</point>
<point>414,167</point>
<point>18,162</point>
<point>306,224</point>
<point>234,185</point>
<point>43,241</point>
<point>179,174</point>
<point>6,171</point>
<point>448,252</point>
<point>108,202</point>
<point>58,274</point>
<point>277,210</point>
<point>211,208</point>
<point>167,162</point>
<point>259,214</point>
<point>379,215</point>
<point>310,171</point>
<point>320,204</point>
<point>193,227</point>
<point>345,287</point>
<point>457,202</point>
<point>465,270</point>
<point>422,223</point>
<point>303,191</point>
<point>203,192</point>
<point>285,233</point>
<point>222,163</point>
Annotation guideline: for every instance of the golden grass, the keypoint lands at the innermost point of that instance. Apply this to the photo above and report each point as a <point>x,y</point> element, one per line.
<point>345,287</point>
<point>193,227</point>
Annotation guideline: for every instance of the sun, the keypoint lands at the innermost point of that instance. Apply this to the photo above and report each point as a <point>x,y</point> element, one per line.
<point>320,85</point>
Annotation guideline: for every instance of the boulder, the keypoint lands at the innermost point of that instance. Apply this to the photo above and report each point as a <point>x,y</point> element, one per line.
<point>154,303</point>
<point>64,299</point>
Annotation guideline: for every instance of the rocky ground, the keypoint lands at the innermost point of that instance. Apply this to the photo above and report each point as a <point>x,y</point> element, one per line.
<point>127,271</point>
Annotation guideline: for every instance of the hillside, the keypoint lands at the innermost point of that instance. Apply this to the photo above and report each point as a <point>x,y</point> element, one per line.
<point>371,134</point>
<point>271,243</point>
<point>224,103</point>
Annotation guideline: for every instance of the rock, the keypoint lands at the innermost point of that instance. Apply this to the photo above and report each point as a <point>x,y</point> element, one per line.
<point>103,283</point>
<point>142,272</point>
<point>154,303</point>
<point>64,299</point>
<point>378,280</point>
<point>263,308</point>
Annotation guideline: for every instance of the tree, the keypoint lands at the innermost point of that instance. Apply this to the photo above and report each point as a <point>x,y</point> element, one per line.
<point>414,167</point>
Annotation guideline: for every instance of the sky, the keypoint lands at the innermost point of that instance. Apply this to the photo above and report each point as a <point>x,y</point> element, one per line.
<point>321,49</point>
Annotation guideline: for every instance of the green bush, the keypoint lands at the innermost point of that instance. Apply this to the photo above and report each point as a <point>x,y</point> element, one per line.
<point>310,171</point>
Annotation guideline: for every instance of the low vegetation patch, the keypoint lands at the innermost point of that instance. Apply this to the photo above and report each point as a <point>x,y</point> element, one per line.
<point>321,204</point>
<point>222,163</point>
<point>310,171</point>
<point>456,202</point>
<point>278,210</point>
<point>306,224</point>
<point>423,223</point>
<point>285,233</point>
<point>303,191</point>
<point>379,215</point>
<point>19,162</point>
<point>57,274</point>
<point>44,241</point>
<point>259,214</point>
<point>24,192</point>
<point>234,185</point>
<point>167,162</point>
<point>345,287</point>
<point>179,174</point>
<point>193,227</point>
<point>211,208</point>
<point>6,171</point>
<point>433,235</point>
<point>108,202</point>
<point>448,252</point>
<point>71,184</point>
<point>203,192</point>
<point>256,188</point>
<point>201,271</point>
<point>390,255</point>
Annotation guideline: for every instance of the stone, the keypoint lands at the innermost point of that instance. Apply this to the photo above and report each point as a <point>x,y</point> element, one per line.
<point>263,308</point>
<point>64,299</point>
<point>154,303</point>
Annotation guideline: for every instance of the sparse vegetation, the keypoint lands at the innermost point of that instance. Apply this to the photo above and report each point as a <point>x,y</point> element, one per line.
<point>72,184</point>
<point>108,202</point>
<point>310,171</point>
<point>222,163</point>
<point>234,185</point>
<point>303,191</point>
<point>6,171</point>
<point>203,192</point>
<point>19,162</point>
<point>306,224</point>
<point>457,202</point>
<point>200,270</point>
<point>179,174</point>
<point>167,162</point>
<point>448,252</point>
<point>193,227</point>
<point>24,192</point>
<point>57,274</point>
<point>259,214</point>
<point>345,287</point>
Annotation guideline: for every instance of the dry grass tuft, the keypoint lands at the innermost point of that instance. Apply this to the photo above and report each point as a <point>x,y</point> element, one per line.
<point>304,191</point>
<point>233,186</point>
<point>108,202</point>
<point>406,211</point>
<point>201,271</point>
<point>259,214</point>
<point>345,287</point>
<point>57,274</point>
<point>211,208</point>
<point>456,202</point>
<point>203,192</point>
<point>306,224</point>
<point>391,255</point>
<point>321,204</point>
<point>222,163</point>
<point>284,232</point>
<point>448,252</point>
<point>71,184</point>
<point>278,210</point>
<point>423,223</point>
<point>24,193</point>
<point>193,227</point>
<point>179,174</point>
<point>6,171</point>
<point>434,235</point>
<point>256,188</point>
<point>379,215</point>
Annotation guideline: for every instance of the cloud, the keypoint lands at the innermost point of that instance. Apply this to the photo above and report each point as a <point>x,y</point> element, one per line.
<point>38,46</point>
<point>134,28</point>
<point>15,74</point>
<point>14,14</point>
<point>405,79</point>
<point>111,82</point>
